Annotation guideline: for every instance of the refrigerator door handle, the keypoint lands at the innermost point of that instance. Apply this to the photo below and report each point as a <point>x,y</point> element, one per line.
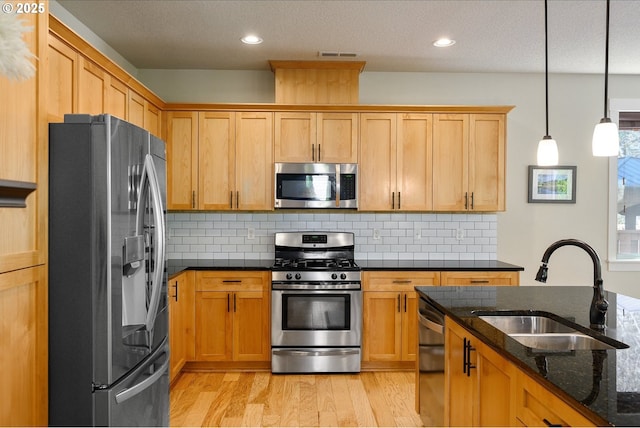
<point>136,389</point>
<point>150,175</point>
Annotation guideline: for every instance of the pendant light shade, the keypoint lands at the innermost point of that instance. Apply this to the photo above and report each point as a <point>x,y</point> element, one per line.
<point>547,151</point>
<point>606,141</point>
<point>547,147</point>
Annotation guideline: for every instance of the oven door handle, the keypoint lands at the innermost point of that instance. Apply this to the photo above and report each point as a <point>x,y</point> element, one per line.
<point>307,353</point>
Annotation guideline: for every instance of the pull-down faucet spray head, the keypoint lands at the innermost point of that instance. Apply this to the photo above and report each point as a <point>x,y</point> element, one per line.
<point>541,276</point>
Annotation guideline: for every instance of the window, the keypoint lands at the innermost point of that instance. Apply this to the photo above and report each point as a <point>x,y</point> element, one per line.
<point>624,189</point>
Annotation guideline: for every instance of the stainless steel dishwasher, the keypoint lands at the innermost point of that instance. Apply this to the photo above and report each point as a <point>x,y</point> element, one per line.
<point>431,363</point>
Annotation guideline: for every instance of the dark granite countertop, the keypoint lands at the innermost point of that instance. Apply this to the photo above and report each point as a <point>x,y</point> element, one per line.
<point>438,265</point>
<point>616,398</point>
<point>175,266</point>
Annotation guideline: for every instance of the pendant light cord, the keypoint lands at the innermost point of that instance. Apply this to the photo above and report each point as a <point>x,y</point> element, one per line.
<point>546,72</point>
<point>606,64</point>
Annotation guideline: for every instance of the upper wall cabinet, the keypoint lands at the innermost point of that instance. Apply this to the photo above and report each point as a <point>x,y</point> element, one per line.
<point>79,85</point>
<point>469,162</point>
<point>395,162</point>
<point>219,160</point>
<point>316,137</point>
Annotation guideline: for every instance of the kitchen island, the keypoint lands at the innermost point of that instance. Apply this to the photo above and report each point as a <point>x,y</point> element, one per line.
<point>601,385</point>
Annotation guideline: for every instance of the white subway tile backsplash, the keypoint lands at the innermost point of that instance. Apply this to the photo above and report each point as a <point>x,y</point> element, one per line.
<point>224,235</point>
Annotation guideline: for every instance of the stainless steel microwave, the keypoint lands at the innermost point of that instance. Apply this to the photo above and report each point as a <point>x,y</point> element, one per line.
<point>316,185</point>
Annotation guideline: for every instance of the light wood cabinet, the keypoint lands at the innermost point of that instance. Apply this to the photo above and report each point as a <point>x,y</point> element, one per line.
<point>232,316</point>
<point>468,162</point>
<point>390,314</point>
<point>316,137</point>
<point>117,99</point>
<point>479,383</point>
<point>489,278</point>
<point>254,161</point>
<point>181,319</point>
<point>93,82</point>
<point>536,406</point>
<point>182,160</point>
<point>395,162</point>
<point>219,160</point>
<point>63,78</point>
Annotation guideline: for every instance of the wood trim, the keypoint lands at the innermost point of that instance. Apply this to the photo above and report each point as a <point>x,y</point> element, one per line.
<point>317,65</point>
<point>226,366</point>
<point>350,108</point>
<point>83,47</point>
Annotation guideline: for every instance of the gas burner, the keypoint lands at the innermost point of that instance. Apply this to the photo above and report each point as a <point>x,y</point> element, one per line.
<point>315,264</point>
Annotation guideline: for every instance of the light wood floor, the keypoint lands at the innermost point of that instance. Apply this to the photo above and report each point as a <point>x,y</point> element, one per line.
<point>368,399</point>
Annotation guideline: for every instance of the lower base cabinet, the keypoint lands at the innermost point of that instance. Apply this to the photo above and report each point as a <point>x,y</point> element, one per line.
<point>232,321</point>
<point>479,383</point>
<point>390,316</point>
<point>181,300</point>
<point>484,389</point>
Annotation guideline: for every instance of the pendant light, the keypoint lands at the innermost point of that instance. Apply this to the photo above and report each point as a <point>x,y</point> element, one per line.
<point>606,141</point>
<point>547,147</point>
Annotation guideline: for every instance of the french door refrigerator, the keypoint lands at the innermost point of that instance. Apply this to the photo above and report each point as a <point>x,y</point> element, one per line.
<point>108,345</point>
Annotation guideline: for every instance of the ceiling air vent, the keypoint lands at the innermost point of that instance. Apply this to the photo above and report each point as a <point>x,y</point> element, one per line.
<point>333,54</point>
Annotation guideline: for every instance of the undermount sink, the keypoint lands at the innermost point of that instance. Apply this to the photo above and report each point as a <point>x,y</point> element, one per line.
<point>544,330</point>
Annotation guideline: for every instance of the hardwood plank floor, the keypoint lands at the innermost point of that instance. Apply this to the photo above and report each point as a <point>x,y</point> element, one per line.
<point>367,399</point>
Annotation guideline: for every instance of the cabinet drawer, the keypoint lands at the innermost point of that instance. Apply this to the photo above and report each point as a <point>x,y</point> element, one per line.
<point>536,406</point>
<point>232,280</point>
<point>398,280</point>
<point>479,278</point>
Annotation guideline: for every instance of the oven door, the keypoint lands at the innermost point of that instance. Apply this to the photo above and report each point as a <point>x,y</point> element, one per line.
<point>318,318</point>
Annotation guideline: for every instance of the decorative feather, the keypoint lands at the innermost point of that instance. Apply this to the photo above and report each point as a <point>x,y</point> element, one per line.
<point>15,57</point>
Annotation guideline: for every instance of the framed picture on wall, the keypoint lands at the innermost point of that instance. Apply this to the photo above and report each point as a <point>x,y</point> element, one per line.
<point>552,184</point>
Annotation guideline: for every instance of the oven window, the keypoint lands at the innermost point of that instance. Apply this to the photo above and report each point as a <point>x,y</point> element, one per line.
<point>306,187</point>
<point>316,311</point>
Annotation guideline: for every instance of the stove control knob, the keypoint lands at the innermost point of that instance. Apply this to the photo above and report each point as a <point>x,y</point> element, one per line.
<point>298,276</point>
<point>343,276</point>
<point>289,276</point>
<point>334,276</point>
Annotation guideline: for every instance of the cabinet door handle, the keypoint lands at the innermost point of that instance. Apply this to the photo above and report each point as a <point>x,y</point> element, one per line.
<point>193,199</point>
<point>479,281</point>
<point>228,302</point>
<point>550,424</point>
<point>402,281</point>
<point>466,359</point>
<point>234,302</point>
<point>471,200</point>
<point>231,280</point>
<point>313,152</point>
<point>231,199</point>
<point>318,152</point>
<point>237,199</point>
<point>405,303</point>
<point>466,200</point>
<point>398,302</point>
<point>393,200</point>
<point>175,288</point>
<point>399,205</point>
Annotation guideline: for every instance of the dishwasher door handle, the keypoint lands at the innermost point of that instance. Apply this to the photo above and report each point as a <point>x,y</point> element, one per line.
<point>431,325</point>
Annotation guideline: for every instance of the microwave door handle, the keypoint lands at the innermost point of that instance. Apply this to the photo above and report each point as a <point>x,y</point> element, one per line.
<point>337,181</point>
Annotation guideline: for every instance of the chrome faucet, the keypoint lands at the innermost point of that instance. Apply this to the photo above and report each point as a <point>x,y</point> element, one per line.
<point>598,309</point>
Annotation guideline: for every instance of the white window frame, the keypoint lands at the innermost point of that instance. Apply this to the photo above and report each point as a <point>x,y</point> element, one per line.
<point>615,107</point>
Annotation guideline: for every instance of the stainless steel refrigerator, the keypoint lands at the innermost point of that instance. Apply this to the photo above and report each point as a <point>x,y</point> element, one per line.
<point>108,344</point>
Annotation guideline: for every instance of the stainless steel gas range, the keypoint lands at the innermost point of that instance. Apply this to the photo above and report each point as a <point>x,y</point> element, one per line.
<point>316,304</point>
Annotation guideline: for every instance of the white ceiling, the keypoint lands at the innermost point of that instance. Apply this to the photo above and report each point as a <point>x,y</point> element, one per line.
<point>396,35</point>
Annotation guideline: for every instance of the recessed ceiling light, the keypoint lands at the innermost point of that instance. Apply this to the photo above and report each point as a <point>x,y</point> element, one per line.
<point>251,39</point>
<point>444,42</point>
